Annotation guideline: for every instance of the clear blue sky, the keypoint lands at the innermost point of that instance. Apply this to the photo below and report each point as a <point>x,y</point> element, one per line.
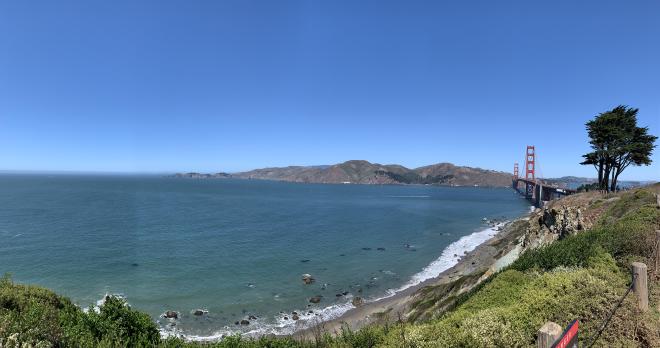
<point>158,86</point>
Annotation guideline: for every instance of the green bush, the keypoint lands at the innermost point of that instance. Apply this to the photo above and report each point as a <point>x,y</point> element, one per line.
<point>37,316</point>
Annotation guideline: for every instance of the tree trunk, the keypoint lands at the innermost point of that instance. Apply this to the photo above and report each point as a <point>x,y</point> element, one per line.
<point>606,178</point>
<point>615,174</point>
<point>600,173</point>
<point>615,181</point>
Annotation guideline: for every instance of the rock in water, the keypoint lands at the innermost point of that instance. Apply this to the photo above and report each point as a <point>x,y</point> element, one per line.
<point>171,315</point>
<point>198,312</point>
<point>357,301</point>
<point>307,279</point>
<point>295,317</point>
<point>245,322</point>
<point>316,299</point>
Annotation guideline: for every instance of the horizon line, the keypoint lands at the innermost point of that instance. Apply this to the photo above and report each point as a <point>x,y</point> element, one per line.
<point>154,173</point>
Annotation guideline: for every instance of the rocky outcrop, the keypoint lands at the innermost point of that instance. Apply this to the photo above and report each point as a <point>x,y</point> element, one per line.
<point>563,221</point>
<point>307,279</point>
<point>171,315</point>
<point>316,299</point>
<point>558,220</point>
<point>357,301</point>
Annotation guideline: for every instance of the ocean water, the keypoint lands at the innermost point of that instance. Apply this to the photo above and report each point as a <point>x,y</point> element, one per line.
<point>235,248</point>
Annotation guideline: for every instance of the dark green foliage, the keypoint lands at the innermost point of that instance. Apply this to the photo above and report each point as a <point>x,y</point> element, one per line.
<point>588,187</point>
<point>406,178</point>
<point>617,142</point>
<point>39,316</point>
<point>413,178</point>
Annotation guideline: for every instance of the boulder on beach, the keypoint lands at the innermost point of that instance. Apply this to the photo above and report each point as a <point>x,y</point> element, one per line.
<point>357,301</point>
<point>316,299</point>
<point>171,315</point>
<point>307,279</point>
<point>295,317</point>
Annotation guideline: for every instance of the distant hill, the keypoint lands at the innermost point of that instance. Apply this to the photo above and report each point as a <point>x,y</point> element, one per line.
<point>364,172</point>
<point>193,175</point>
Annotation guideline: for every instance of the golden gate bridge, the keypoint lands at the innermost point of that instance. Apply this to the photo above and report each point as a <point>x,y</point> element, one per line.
<point>534,189</point>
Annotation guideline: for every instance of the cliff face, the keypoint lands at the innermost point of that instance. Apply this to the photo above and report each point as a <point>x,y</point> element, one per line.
<point>563,218</point>
<point>364,172</point>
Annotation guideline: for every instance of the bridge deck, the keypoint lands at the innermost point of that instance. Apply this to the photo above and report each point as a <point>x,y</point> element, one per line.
<point>546,186</point>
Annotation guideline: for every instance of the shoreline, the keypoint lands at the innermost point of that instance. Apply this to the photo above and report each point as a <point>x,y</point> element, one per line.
<point>483,260</point>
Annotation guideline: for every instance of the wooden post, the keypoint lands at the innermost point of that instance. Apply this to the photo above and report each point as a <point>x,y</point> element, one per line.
<point>640,285</point>
<point>548,334</point>
<point>657,253</point>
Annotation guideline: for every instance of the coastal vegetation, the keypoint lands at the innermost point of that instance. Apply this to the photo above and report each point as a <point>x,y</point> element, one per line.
<point>580,276</point>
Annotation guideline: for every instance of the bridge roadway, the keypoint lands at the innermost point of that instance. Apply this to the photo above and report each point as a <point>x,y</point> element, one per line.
<point>538,192</point>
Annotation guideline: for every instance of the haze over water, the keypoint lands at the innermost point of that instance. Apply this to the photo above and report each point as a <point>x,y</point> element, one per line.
<point>232,247</point>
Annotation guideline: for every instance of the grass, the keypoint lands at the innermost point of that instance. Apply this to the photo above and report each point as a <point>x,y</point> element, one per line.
<point>579,277</point>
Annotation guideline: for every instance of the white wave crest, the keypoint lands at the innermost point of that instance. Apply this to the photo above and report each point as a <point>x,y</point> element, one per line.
<point>288,326</point>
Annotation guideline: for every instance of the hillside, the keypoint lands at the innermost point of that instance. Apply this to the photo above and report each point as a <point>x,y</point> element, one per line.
<point>364,172</point>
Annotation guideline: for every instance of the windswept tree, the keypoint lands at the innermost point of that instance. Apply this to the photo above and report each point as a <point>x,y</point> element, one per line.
<point>617,142</point>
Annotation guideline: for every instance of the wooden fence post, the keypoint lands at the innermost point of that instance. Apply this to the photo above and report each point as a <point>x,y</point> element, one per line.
<point>657,253</point>
<point>548,334</point>
<point>640,285</point>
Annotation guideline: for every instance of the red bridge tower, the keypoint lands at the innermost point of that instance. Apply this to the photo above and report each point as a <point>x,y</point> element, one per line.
<point>529,170</point>
<point>515,170</point>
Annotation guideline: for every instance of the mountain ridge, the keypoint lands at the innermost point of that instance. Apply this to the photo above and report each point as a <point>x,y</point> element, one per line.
<point>365,172</point>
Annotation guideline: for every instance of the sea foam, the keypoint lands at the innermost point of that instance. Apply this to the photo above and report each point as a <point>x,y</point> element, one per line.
<point>288,326</point>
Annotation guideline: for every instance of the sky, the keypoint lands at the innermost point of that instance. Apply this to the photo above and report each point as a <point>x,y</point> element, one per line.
<point>168,86</point>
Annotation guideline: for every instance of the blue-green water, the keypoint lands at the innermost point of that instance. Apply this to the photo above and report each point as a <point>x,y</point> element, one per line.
<point>235,247</point>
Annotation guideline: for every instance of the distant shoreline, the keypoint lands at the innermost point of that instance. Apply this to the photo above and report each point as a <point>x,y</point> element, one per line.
<point>221,176</point>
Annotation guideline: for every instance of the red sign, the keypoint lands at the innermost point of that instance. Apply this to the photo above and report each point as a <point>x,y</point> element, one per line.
<point>569,339</point>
